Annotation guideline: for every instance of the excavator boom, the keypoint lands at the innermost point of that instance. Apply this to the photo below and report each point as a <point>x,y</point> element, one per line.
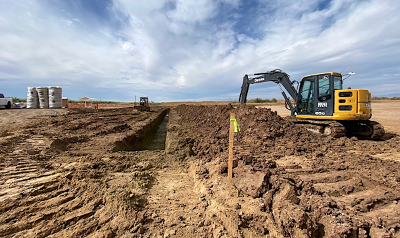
<point>276,76</point>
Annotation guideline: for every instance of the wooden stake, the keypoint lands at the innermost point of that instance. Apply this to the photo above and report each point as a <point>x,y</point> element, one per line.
<point>231,136</point>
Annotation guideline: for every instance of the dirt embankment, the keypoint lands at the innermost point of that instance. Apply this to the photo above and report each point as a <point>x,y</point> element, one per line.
<point>309,185</point>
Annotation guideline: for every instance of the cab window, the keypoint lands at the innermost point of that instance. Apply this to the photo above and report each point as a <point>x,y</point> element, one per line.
<point>337,83</point>
<point>323,85</point>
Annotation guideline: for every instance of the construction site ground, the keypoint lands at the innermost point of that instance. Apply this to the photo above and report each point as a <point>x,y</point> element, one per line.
<point>123,173</point>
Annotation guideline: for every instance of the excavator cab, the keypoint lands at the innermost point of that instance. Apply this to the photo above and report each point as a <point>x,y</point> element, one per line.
<point>321,96</point>
<point>316,94</point>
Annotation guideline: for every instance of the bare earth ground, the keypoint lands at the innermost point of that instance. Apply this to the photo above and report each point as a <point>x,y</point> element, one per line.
<point>88,173</point>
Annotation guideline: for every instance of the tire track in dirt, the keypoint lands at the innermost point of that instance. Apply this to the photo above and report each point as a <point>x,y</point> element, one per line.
<point>31,192</point>
<point>365,200</point>
<point>60,178</point>
<point>23,175</point>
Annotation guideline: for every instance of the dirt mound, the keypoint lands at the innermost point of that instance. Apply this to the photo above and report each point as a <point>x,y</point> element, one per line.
<point>320,186</point>
<point>262,128</point>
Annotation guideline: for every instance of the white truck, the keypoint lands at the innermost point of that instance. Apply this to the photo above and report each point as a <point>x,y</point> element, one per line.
<point>6,102</point>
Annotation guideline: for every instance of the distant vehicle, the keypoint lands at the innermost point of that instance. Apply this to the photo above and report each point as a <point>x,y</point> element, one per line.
<point>6,102</point>
<point>143,104</point>
<point>20,105</point>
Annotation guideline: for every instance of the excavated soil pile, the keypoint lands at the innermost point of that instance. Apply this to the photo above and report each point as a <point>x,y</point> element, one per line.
<point>307,185</point>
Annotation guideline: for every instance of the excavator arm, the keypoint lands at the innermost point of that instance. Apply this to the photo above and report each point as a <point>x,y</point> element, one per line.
<point>276,76</point>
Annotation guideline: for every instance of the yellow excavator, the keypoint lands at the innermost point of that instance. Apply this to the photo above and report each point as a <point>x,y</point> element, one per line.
<point>321,103</point>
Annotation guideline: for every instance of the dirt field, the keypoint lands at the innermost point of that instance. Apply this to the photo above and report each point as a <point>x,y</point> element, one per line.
<point>123,173</point>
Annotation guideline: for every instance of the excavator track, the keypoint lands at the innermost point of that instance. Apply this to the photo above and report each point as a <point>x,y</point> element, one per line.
<point>330,128</point>
<point>365,129</point>
<point>379,131</point>
<point>336,129</point>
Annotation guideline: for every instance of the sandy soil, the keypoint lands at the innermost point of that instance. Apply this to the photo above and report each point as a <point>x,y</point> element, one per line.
<point>22,116</point>
<point>89,173</point>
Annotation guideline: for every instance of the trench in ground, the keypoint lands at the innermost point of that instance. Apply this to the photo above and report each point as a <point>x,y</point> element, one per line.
<point>158,139</point>
<point>151,137</point>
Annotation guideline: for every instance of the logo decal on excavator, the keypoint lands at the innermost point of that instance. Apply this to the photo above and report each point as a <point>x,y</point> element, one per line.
<point>322,104</point>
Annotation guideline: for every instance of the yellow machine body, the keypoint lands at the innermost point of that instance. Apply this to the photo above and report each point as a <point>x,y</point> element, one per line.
<point>349,104</point>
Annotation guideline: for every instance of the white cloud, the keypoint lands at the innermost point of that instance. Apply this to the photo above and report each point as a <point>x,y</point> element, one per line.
<point>193,11</point>
<point>175,50</point>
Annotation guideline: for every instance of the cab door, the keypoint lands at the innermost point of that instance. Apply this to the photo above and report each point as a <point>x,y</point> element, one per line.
<point>305,100</point>
<point>324,98</point>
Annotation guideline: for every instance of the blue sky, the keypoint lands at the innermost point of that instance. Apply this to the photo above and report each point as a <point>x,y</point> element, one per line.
<point>194,50</point>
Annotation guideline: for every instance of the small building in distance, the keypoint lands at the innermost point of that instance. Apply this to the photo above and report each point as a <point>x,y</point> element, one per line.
<point>64,102</point>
